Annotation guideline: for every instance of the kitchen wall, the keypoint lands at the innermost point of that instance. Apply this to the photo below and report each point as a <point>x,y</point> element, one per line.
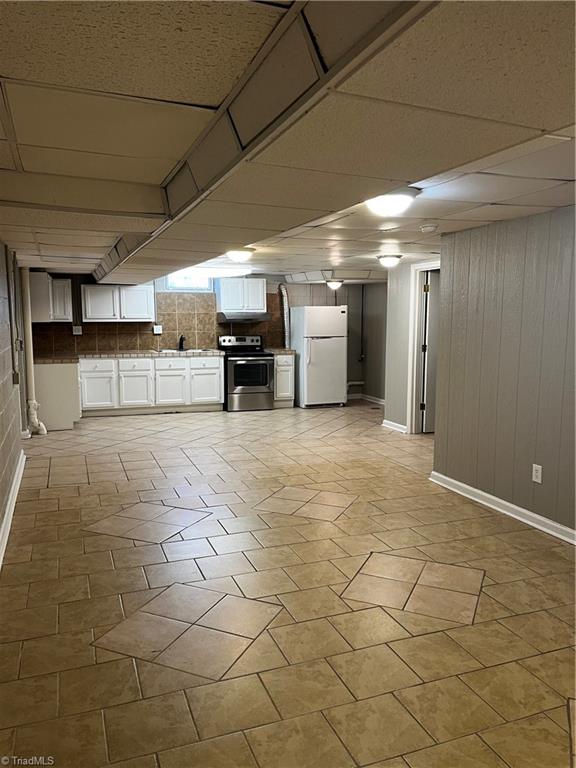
<point>397,326</point>
<point>374,365</point>
<point>9,393</point>
<point>505,396</point>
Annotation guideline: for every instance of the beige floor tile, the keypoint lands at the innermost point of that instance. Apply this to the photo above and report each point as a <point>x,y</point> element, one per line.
<point>27,701</point>
<point>313,603</point>
<point>226,585</point>
<point>309,640</point>
<point>234,542</point>
<point>164,574</point>
<point>313,551</point>
<point>361,728</point>
<point>373,671</point>
<point>150,725</point>
<point>304,688</point>
<point>132,601</point>
<point>368,627</point>
<point>115,582</point>
<point>97,686</point>
<point>129,557</point>
<point>349,565</point>
<point>239,616</point>
<point>320,511</point>
<point>520,596</point>
<point>361,544</point>
<point>10,662</point>
<point>265,583</point>
<point>224,565</point>
<point>154,532</point>
<point>261,656</point>
<point>531,743</point>
<point>143,635</point>
<point>231,751</point>
<point>273,557</point>
<point>302,742</point>
<point>244,523</point>
<point>435,656</point>
<point>232,705</point>
<point>295,494</point>
<point>55,591</point>
<point>279,505</point>
<point>503,569</point>
<point>315,574</point>
<point>114,525</point>
<point>542,630</point>
<point>512,691</point>
<point>556,669</point>
<point>202,529</point>
<point>71,741</point>
<point>489,609</point>
<point>379,591</point>
<point>467,752</point>
<point>442,604</point>
<point>205,652</point>
<point>27,623</point>
<point>448,709</point>
<point>392,567</point>
<point>335,499</point>
<point>491,643</point>
<point>85,614</point>
<point>277,537</point>
<point>13,598</point>
<point>452,577</point>
<point>56,652</point>
<point>23,573</point>
<point>91,563</point>
<point>156,679</point>
<point>319,531</point>
<point>183,603</point>
<point>143,511</point>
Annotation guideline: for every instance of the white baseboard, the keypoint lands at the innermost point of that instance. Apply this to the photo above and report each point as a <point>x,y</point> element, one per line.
<point>11,503</point>
<point>393,425</point>
<point>506,507</point>
<point>372,399</point>
<point>354,396</point>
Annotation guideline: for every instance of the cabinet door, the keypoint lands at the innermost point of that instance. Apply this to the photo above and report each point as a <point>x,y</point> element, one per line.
<point>136,388</point>
<point>100,302</point>
<point>255,295</point>
<point>62,300</point>
<point>206,385</point>
<point>99,390</point>
<point>284,382</point>
<point>231,294</point>
<point>171,387</point>
<point>137,302</point>
<point>41,297</point>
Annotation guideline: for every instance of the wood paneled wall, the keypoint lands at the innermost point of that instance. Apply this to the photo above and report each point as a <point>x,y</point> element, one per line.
<point>505,395</point>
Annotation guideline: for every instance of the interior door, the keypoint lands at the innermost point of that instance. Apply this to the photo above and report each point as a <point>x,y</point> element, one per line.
<point>430,350</point>
<point>326,375</point>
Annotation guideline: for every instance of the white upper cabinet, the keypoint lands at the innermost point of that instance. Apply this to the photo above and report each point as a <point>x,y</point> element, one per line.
<point>51,300</point>
<point>237,294</point>
<point>114,303</point>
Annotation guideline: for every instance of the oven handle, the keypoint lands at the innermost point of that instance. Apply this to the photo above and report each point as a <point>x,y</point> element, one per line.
<point>244,360</point>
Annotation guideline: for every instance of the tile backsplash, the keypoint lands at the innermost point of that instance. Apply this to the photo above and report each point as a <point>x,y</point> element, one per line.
<point>192,315</point>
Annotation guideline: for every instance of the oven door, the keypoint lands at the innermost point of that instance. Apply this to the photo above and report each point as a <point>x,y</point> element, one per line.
<point>248,375</point>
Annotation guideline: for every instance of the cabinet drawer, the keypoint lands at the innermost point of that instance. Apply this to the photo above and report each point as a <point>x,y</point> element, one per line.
<point>204,362</point>
<point>172,364</point>
<point>144,364</point>
<point>284,361</point>
<point>97,366</point>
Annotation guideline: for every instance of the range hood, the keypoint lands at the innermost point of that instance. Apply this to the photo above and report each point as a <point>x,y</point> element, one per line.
<point>242,317</point>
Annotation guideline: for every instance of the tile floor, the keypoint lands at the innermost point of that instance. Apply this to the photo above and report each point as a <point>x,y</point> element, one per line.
<point>275,590</point>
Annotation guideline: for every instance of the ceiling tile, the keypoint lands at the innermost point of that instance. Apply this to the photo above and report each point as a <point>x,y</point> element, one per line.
<point>503,61</point>
<point>37,217</point>
<point>562,194</point>
<point>555,162</point>
<point>485,188</point>
<point>185,230</point>
<point>217,213</point>
<point>357,136</point>
<point>499,212</point>
<point>152,49</point>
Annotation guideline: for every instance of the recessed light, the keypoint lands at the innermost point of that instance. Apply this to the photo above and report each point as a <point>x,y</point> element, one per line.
<point>240,256</point>
<point>427,229</point>
<point>389,261</point>
<point>394,203</point>
<point>334,284</point>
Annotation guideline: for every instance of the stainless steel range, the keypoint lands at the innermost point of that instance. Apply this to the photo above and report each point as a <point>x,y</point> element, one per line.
<point>248,374</point>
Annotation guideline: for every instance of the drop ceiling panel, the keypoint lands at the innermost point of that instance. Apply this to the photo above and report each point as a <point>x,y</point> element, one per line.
<point>55,237</point>
<point>243,214</point>
<point>78,251</point>
<point>65,162</point>
<point>556,162</point>
<point>152,49</point>
<point>6,159</point>
<point>506,155</point>
<point>37,217</point>
<point>95,123</point>
<point>562,194</point>
<point>186,230</point>
<point>357,136</point>
<point>500,212</point>
<point>485,188</point>
<point>503,61</point>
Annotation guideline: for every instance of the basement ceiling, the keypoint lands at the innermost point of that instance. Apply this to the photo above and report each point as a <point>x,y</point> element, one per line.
<point>470,102</point>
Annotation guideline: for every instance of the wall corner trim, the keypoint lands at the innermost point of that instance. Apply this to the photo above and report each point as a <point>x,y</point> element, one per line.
<point>393,425</point>
<point>372,399</point>
<point>7,521</point>
<point>506,507</point>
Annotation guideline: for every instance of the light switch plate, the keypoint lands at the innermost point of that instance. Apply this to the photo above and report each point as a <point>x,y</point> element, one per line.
<point>76,330</point>
<point>157,330</point>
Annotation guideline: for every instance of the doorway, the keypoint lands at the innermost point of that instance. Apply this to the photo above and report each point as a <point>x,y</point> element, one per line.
<point>428,349</point>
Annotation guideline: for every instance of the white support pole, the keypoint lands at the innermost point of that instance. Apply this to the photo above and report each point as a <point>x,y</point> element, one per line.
<point>36,426</point>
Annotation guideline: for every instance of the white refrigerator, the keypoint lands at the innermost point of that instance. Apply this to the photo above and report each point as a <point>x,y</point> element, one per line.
<point>319,335</point>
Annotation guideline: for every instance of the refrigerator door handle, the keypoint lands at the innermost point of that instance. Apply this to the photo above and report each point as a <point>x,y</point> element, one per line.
<point>308,351</point>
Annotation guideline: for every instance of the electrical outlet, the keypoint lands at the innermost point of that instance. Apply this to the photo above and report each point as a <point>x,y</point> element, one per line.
<point>157,330</point>
<point>537,473</point>
<point>76,330</point>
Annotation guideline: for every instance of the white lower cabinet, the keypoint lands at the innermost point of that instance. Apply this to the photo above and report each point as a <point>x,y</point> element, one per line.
<point>284,377</point>
<point>206,380</point>
<point>171,388</point>
<point>136,383</point>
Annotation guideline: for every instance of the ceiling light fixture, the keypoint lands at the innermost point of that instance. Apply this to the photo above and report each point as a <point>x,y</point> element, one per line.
<point>394,203</point>
<point>334,284</point>
<point>389,261</point>
<point>428,229</point>
<point>240,256</point>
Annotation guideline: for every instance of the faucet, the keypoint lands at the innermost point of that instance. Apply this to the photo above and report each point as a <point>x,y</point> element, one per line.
<point>181,341</point>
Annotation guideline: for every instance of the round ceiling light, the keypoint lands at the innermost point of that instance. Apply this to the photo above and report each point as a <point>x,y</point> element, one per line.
<point>428,229</point>
<point>240,256</point>
<point>389,261</point>
<point>394,203</point>
<point>334,284</point>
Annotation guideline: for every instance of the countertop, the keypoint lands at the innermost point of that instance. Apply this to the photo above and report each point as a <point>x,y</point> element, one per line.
<point>280,351</point>
<point>147,354</point>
